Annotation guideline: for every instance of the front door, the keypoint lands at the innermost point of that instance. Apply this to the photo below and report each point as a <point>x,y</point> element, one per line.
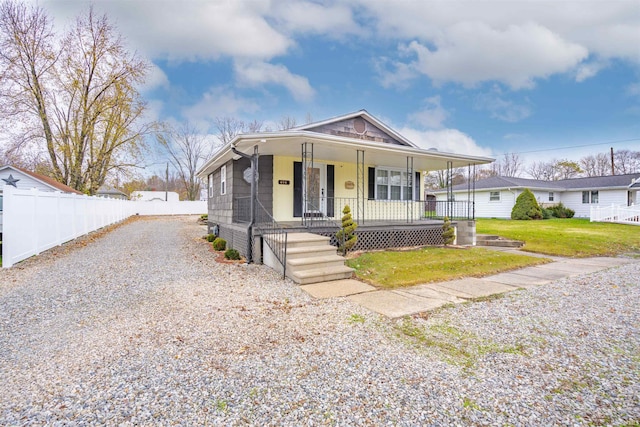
<point>314,197</point>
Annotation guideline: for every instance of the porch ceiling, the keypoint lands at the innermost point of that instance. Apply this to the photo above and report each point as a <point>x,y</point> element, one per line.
<point>340,149</point>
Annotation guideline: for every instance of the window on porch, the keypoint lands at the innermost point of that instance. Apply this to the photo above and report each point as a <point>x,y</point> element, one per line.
<point>392,185</point>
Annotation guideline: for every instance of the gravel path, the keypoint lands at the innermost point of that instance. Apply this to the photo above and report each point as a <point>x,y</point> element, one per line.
<point>141,326</point>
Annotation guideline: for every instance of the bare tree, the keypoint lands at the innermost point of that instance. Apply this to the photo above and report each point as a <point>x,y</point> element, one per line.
<point>439,179</point>
<point>187,149</point>
<point>598,165</point>
<point>286,122</point>
<point>542,170</point>
<point>81,90</point>
<point>510,165</point>
<point>254,126</point>
<point>228,128</point>
<point>626,161</point>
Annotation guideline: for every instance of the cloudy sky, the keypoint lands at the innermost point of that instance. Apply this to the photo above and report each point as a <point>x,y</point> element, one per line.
<point>475,77</point>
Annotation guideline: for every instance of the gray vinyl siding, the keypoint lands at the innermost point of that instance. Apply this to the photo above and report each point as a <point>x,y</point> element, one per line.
<point>221,205</point>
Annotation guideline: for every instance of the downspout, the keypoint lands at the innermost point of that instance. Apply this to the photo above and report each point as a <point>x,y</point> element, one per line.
<point>254,162</point>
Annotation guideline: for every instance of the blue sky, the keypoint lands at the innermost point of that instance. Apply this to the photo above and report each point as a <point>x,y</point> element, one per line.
<point>474,77</point>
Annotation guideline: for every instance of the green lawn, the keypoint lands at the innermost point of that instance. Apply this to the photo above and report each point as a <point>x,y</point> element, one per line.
<point>566,237</point>
<point>393,269</point>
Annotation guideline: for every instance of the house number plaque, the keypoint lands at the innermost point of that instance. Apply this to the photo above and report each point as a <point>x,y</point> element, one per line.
<point>283,182</point>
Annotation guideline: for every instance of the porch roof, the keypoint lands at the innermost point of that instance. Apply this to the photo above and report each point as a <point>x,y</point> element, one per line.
<point>335,148</point>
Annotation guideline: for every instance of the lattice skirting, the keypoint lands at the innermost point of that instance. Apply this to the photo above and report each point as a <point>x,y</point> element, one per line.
<point>237,239</point>
<point>389,238</point>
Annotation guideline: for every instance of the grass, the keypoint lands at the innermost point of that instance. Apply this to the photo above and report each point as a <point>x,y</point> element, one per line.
<point>573,237</point>
<point>391,269</point>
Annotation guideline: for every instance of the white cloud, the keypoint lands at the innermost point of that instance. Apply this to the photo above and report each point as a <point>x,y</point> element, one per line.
<point>589,69</point>
<point>191,30</point>
<point>447,140</point>
<point>257,73</point>
<point>633,89</point>
<point>156,78</point>
<point>500,108</point>
<point>474,52</point>
<point>432,115</point>
<point>218,102</point>
<point>513,42</point>
<point>305,17</point>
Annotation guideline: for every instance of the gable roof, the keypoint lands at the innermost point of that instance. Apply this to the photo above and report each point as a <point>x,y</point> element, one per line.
<point>591,183</point>
<point>383,146</point>
<point>49,182</point>
<point>364,114</point>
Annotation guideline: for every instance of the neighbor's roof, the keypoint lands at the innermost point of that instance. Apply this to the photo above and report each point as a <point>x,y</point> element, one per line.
<point>588,183</point>
<point>105,189</point>
<point>44,179</point>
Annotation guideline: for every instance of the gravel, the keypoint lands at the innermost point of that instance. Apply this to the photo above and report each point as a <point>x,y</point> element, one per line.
<point>140,325</point>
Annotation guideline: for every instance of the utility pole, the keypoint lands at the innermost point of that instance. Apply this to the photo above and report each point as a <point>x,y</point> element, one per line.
<point>166,184</point>
<point>613,167</point>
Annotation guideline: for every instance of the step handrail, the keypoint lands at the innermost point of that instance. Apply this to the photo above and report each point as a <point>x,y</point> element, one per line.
<point>277,242</point>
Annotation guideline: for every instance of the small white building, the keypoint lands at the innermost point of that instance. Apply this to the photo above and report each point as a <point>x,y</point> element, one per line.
<point>26,180</point>
<point>496,196</point>
<point>147,196</point>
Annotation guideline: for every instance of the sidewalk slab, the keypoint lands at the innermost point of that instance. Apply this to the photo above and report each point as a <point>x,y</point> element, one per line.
<point>604,262</point>
<point>426,291</point>
<point>471,287</point>
<point>395,304</point>
<point>540,272</point>
<point>517,280</point>
<point>336,288</point>
<point>572,268</point>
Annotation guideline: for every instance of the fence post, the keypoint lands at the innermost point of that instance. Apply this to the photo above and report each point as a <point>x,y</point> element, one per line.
<point>9,228</point>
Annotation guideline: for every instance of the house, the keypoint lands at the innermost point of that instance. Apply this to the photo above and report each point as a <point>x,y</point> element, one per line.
<point>24,180</point>
<point>301,179</point>
<point>148,196</point>
<point>111,193</point>
<point>496,196</point>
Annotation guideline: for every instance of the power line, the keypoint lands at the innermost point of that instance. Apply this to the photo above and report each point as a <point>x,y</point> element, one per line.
<point>578,146</point>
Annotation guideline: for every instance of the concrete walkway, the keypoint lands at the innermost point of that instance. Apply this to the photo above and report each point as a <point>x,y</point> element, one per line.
<point>417,299</point>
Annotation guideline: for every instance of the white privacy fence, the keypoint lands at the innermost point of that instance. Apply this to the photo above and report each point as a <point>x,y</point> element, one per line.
<point>34,221</point>
<point>614,213</point>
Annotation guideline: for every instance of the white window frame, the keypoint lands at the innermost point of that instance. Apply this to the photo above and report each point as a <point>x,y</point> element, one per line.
<point>403,172</point>
<point>552,196</point>
<point>492,194</point>
<point>591,197</point>
<point>223,180</point>
<point>210,184</point>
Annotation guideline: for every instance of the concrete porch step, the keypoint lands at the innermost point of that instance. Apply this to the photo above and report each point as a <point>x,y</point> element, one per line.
<point>304,252</point>
<point>314,262</point>
<point>316,275</point>
<point>301,240</point>
<point>497,241</point>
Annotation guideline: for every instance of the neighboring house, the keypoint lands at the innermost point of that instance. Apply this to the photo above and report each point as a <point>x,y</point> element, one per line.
<point>24,180</point>
<point>306,175</point>
<point>148,196</point>
<point>496,196</point>
<point>111,193</point>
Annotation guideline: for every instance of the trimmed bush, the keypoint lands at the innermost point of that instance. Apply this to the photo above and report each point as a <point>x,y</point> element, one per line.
<point>561,211</point>
<point>211,237</point>
<point>546,213</point>
<point>526,207</point>
<point>232,254</point>
<point>219,244</point>
<point>448,232</point>
<point>346,235</point>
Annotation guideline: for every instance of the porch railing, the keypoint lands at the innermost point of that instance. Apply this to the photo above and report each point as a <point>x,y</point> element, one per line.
<point>274,235</point>
<point>329,214</point>
<point>401,210</point>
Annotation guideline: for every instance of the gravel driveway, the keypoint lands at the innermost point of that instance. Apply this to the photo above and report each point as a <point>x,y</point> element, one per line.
<point>141,326</point>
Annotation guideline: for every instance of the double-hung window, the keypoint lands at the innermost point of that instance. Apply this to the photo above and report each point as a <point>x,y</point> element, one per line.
<point>393,185</point>
<point>210,185</point>
<point>223,180</point>
<point>551,196</point>
<point>494,196</point>
<point>590,196</point>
